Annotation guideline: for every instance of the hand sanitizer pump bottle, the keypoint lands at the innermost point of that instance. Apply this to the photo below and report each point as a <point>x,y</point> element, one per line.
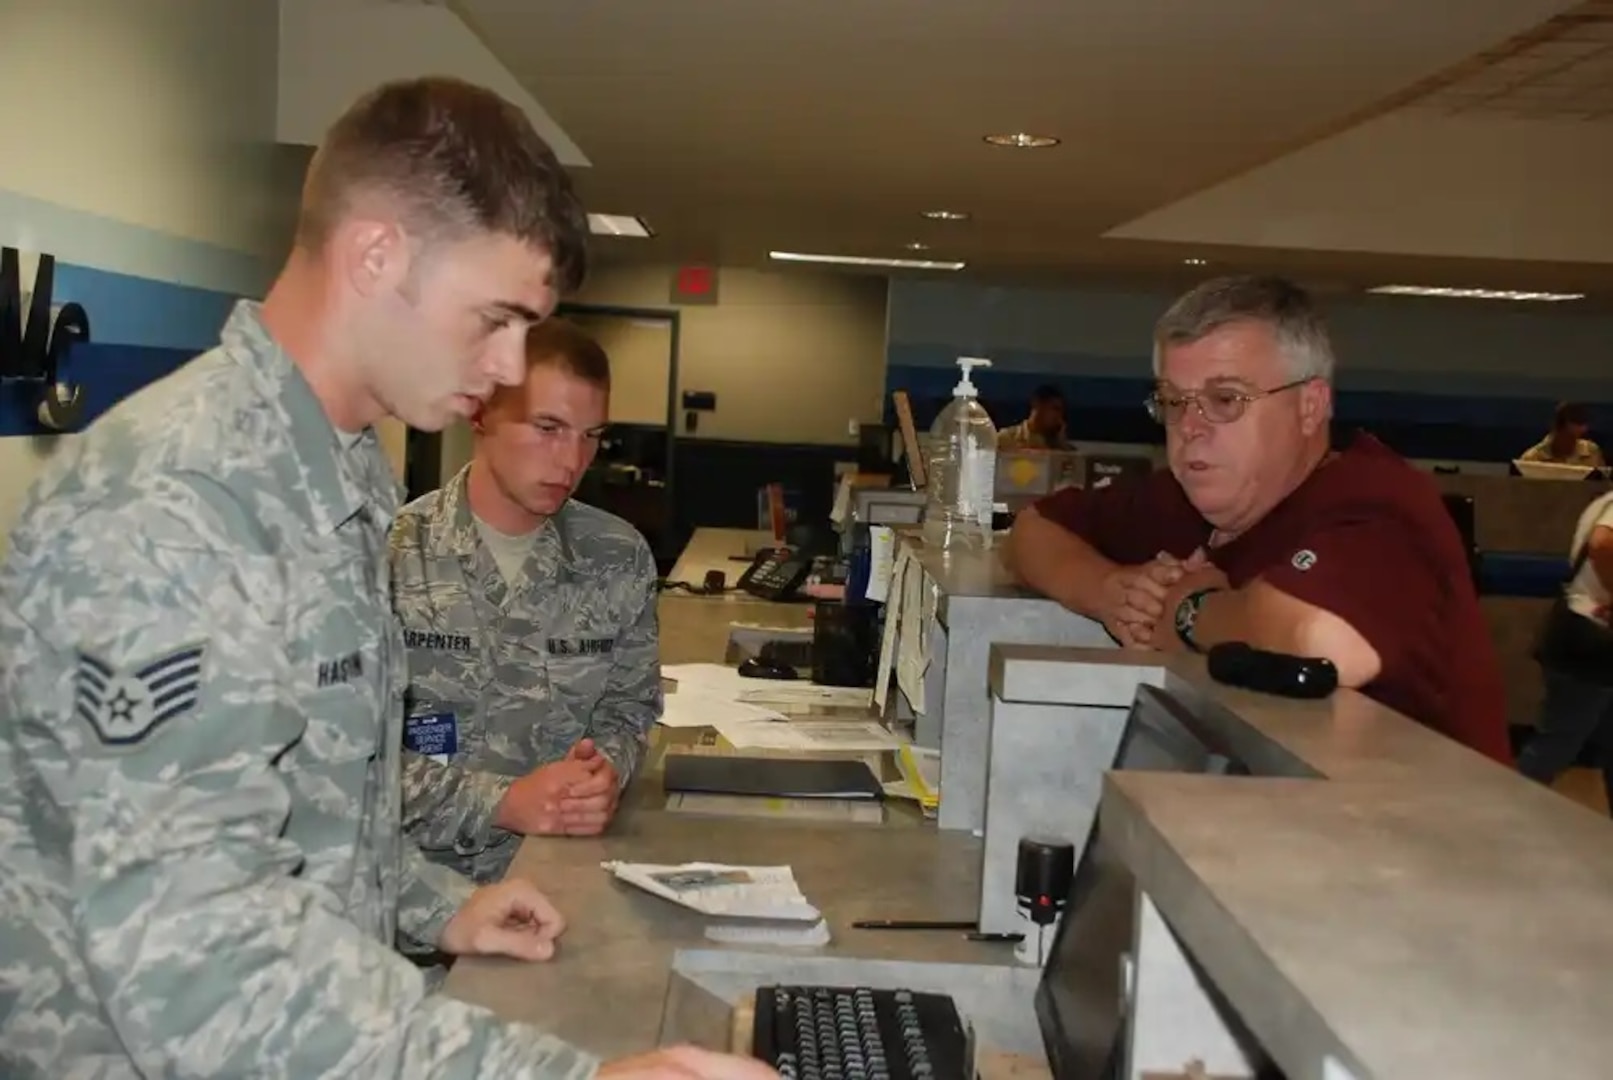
<point>963,469</point>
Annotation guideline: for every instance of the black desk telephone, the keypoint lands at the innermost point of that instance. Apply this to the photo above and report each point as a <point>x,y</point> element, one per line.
<point>776,575</point>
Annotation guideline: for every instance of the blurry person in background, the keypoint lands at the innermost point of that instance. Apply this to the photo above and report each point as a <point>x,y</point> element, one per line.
<point>1576,660</point>
<point>1567,443</point>
<point>1043,429</point>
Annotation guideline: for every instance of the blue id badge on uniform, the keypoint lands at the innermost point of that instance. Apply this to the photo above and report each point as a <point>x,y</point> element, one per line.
<point>435,735</point>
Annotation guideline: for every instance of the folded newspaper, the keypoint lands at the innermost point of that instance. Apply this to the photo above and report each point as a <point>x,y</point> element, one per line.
<point>756,904</point>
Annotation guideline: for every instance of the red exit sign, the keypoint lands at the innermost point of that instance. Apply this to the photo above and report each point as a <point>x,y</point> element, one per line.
<point>694,285</point>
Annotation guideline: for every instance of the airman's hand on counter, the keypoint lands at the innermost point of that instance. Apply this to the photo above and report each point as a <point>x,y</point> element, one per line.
<point>565,797</point>
<point>589,804</point>
<point>686,1063</point>
<point>511,918</point>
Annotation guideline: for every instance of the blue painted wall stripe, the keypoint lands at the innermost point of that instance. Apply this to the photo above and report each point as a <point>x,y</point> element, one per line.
<point>108,374</point>
<point>140,330</point>
<point>92,240</point>
<point>1109,409</point>
<point>127,310</point>
<point>154,300</point>
<point>909,355</point>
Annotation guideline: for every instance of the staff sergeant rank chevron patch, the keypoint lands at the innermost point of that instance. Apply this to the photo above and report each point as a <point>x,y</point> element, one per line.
<point>125,706</point>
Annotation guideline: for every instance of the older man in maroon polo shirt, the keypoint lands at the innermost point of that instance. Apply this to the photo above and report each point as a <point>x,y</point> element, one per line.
<point>1261,533</point>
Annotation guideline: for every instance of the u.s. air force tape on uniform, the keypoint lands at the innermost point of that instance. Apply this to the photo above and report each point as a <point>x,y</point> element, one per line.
<point>588,646</point>
<point>126,704</point>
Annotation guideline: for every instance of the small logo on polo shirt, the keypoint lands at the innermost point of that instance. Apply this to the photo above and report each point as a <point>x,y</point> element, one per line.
<point>1304,559</point>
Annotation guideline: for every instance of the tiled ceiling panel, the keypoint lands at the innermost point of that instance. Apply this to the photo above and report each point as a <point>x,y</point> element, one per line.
<point>1560,71</point>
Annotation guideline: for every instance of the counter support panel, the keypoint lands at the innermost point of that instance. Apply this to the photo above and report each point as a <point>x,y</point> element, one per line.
<point>1175,1020</point>
<point>1047,766</point>
<point>978,604</point>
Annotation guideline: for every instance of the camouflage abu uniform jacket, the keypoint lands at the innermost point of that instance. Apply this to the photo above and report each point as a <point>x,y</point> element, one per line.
<point>201,869</point>
<point>504,678</point>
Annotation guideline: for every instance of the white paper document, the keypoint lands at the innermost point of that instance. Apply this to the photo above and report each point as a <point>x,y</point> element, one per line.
<point>856,736</point>
<point>913,639</point>
<point>693,708</point>
<point>730,892</point>
<point>726,683</point>
<point>905,648</point>
<point>881,562</point>
<point>759,932</point>
<point>808,695</point>
<point>719,678</point>
<point>890,637</point>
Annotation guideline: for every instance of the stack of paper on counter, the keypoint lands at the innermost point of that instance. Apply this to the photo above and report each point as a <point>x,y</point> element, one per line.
<point>691,709</point>
<point>726,683</point>
<point>825,736</point>
<point>750,904</point>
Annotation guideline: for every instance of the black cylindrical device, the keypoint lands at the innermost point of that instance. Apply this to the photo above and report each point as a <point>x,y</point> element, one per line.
<point>1042,877</point>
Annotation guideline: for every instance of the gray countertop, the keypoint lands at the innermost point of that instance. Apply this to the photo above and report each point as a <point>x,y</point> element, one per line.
<point>1383,895</point>
<point>1379,893</point>
<point>605,988</point>
<point>1409,932</point>
<point>969,574</point>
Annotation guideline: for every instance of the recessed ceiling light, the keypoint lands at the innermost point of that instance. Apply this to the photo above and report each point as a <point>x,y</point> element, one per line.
<point>1474,294</point>
<point>1022,140</point>
<point>917,246</point>
<point>865,260</point>
<point>1197,262</point>
<point>618,225</point>
<point>947,215</point>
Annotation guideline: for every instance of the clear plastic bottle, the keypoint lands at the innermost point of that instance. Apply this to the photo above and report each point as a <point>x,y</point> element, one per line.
<point>963,469</point>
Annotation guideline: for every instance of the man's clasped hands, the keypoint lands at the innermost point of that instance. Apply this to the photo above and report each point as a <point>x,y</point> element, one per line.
<point>1140,601</point>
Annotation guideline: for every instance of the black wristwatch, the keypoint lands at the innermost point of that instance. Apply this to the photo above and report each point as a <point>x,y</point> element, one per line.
<point>1187,615</point>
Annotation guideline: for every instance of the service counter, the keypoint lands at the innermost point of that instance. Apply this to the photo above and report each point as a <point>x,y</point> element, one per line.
<point>1522,529</point>
<point>1515,514</point>
<point>697,628</point>
<point>977,602</point>
<point>727,551</point>
<point>1388,904</point>
<point>607,988</point>
<point>635,971</point>
<point>1377,901</point>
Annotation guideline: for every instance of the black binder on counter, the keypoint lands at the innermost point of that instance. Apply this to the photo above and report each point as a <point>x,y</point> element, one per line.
<point>766,777</point>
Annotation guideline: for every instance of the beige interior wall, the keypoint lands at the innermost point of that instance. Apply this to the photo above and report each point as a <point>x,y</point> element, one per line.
<point>640,352</point>
<point>395,441</point>
<point>793,357</point>
<point>458,444</point>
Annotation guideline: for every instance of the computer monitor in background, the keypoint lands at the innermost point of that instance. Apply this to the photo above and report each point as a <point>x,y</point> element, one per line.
<point>874,449</point>
<point>1555,470</point>
<point>1079,1001</point>
<point>1104,469</point>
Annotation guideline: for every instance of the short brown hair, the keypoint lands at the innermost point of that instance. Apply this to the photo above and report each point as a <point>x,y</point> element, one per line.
<point>558,343</point>
<point>458,159</point>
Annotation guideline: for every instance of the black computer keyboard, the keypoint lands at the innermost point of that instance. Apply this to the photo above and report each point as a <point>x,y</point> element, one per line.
<point>841,1033</point>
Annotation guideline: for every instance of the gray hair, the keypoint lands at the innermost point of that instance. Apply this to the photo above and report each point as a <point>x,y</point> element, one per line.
<point>1298,326</point>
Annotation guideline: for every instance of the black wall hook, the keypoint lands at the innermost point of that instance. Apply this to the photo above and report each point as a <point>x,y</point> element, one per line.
<point>33,351</point>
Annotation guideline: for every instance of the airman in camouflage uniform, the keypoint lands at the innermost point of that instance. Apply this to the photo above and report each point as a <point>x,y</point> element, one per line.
<point>533,653</point>
<point>200,857</point>
<point>201,868</point>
